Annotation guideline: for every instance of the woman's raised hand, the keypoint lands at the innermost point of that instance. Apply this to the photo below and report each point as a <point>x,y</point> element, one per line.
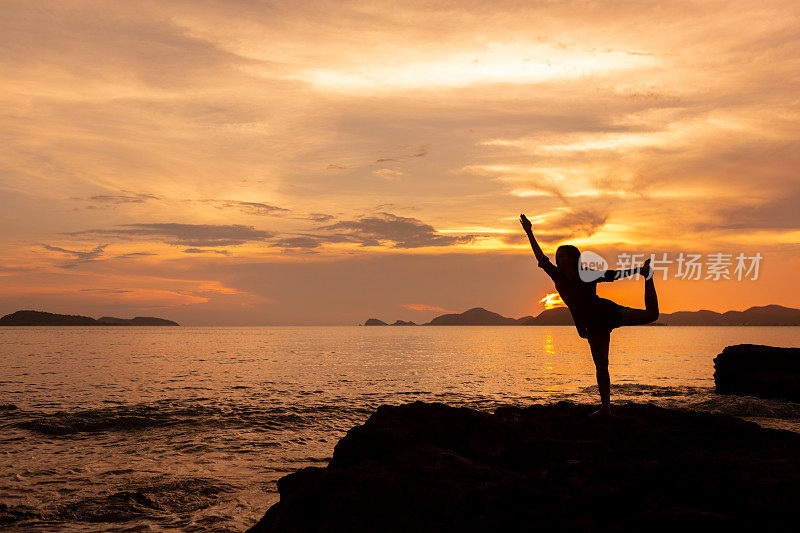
<point>644,270</point>
<point>526,224</point>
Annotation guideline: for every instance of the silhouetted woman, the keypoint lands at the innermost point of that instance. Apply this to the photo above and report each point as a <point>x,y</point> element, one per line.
<point>594,317</point>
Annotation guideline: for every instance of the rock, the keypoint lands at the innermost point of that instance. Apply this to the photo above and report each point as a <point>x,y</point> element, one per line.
<point>375,322</point>
<point>757,370</point>
<point>429,467</point>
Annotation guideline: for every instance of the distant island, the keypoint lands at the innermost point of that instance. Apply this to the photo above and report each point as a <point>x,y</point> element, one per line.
<point>768,315</point>
<point>41,318</point>
<point>376,322</point>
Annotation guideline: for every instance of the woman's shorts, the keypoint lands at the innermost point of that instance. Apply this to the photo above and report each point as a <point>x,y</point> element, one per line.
<point>606,316</point>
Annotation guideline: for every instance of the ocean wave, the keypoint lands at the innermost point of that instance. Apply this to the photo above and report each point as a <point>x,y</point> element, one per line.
<point>160,414</point>
<point>655,391</point>
<point>95,420</point>
<point>704,399</point>
<point>341,413</point>
<point>747,406</point>
<point>157,499</point>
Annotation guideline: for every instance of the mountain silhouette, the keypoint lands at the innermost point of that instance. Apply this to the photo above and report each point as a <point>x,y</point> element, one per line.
<point>477,316</point>
<point>136,321</point>
<point>42,318</point>
<point>768,315</point>
<point>557,316</point>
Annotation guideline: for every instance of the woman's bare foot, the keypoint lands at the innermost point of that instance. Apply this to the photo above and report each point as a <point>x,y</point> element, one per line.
<point>603,412</point>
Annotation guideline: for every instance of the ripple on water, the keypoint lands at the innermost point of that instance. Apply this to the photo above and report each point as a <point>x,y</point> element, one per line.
<point>161,501</point>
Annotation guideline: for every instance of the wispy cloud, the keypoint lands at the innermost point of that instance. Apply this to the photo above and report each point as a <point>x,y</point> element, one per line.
<point>320,217</point>
<point>407,152</point>
<point>206,251</point>
<point>301,241</point>
<point>132,255</point>
<point>388,173</point>
<point>250,208</point>
<point>425,307</point>
<point>195,235</point>
<point>107,291</point>
<point>80,255</point>
<point>117,199</point>
<point>396,231</point>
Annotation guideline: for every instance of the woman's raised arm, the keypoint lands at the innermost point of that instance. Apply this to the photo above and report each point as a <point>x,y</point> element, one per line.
<point>528,227</point>
<point>612,275</point>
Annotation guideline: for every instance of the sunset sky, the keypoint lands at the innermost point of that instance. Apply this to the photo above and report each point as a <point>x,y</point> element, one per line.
<point>248,162</point>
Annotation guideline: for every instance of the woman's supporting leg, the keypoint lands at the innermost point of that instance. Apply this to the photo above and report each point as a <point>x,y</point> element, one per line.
<point>651,299</point>
<point>599,346</point>
<point>636,317</point>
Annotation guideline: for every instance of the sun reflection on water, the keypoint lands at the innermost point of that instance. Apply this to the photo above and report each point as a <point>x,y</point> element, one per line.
<point>548,371</point>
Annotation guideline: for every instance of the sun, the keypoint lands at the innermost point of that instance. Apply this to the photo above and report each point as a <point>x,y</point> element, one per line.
<point>552,300</point>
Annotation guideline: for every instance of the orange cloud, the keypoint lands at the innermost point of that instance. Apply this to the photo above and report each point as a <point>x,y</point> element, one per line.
<point>424,307</point>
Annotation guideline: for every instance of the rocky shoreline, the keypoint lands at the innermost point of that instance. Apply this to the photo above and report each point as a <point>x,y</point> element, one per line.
<point>431,467</point>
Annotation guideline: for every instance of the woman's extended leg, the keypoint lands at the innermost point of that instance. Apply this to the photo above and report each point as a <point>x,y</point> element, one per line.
<point>635,317</point>
<point>599,346</point>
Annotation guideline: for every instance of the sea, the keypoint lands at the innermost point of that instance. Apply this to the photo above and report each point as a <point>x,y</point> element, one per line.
<point>188,428</point>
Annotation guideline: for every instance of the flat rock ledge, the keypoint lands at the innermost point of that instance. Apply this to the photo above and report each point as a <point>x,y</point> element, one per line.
<point>430,467</point>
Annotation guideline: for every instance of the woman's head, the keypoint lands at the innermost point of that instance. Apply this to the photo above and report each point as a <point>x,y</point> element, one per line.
<point>568,257</point>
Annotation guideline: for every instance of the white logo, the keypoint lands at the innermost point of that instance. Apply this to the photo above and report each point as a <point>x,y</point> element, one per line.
<point>591,266</point>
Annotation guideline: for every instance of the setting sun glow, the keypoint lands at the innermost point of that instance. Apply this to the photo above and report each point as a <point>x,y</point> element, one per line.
<point>552,300</point>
